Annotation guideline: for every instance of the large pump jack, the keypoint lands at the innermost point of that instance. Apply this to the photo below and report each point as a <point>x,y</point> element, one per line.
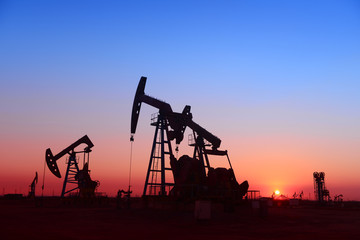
<point>74,175</point>
<point>194,173</point>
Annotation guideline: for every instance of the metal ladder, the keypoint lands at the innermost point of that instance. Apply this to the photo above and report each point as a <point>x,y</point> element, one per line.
<point>161,150</point>
<point>71,171</point>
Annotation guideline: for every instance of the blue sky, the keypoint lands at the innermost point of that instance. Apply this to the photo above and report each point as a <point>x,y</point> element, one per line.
<point>264,45</point>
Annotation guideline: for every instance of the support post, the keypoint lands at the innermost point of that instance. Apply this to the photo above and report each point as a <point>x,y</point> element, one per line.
<point>71,170</point>
<point>158,153</point>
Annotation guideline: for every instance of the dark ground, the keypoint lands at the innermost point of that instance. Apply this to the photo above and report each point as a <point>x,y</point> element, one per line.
<point>21,219</point>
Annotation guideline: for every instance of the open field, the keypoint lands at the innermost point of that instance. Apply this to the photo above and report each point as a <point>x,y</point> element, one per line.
<point>20,219</point>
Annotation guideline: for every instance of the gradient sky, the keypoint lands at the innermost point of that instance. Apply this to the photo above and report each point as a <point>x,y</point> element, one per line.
<point>277,81</point>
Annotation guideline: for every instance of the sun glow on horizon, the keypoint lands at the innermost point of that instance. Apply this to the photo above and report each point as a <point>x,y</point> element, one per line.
<point>277,192</point>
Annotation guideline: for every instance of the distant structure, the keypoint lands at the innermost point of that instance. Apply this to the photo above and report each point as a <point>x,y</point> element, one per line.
<point>298,196</point>
<point>338,198</point>
<point>321,193</point>
<point>32,186</point>
<point>79,179</point>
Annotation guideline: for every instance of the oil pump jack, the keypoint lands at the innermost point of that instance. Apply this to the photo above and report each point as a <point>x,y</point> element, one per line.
<point>74,175</point>
<point>191,176</point>
<point>32,186</point>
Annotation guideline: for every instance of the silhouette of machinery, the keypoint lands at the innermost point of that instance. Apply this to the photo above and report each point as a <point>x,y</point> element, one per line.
<point>191,176</point>
<point>80,178</point>
<point>298,196</point>
<point>32,186</point>
<point>338,198</point>
<point>321,193</point>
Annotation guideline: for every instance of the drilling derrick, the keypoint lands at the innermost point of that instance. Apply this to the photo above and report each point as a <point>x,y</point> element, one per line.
<point>321,193</point>
<point>190,176</point>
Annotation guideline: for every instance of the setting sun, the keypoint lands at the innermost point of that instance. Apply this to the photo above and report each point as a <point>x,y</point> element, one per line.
<point>277,192</point>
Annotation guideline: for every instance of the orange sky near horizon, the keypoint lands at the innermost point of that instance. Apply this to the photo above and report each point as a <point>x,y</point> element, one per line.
<point>267,162</point>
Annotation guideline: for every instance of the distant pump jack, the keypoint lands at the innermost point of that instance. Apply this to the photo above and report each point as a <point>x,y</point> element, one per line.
<point>32,186</point>
<point>74,175</point>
